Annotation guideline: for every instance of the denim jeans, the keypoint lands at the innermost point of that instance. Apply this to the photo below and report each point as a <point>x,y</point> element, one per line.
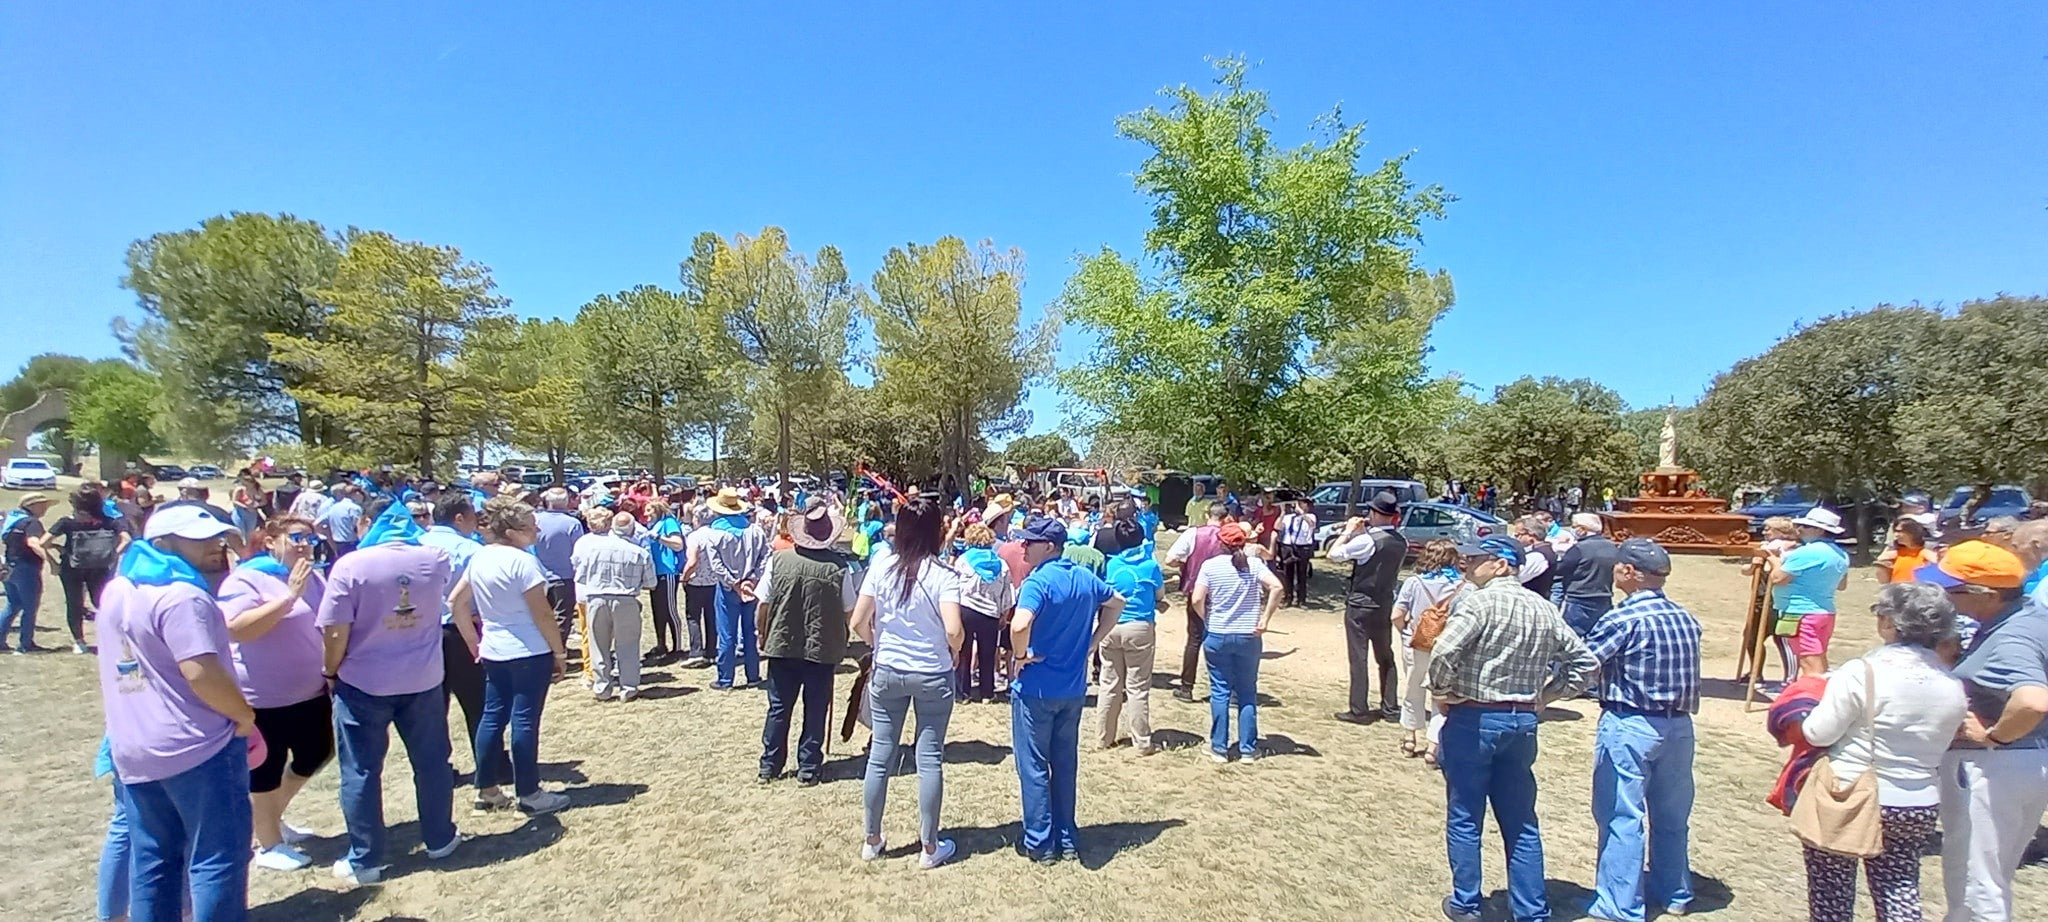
<point>1642,773</point>
<point>24,594</point>
<point>736,628</point>
<point>1047,735</point>
<point>115,855</point>
<point>1233,674</point>
<point>790,679</point>
<point>515,692</point>
<point>362,734</point>
<point>1488,756</point>
<point>892,695</point>
<point>192,829</point>
<point>1582,614</point>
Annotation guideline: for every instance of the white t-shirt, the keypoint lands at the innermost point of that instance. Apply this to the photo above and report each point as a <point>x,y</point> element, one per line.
<point>499,575</point>
<point>909,634</point>
<point>1233,596</point>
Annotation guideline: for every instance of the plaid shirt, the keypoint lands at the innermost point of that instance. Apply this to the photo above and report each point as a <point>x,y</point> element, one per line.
<point>1649,650</point>
<point>1503,644</point>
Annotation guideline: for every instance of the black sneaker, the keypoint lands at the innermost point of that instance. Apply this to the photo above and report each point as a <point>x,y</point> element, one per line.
<point>809,781</point>
<point>1354,718</point>
<point>765,778</point>
<point>1042,858</point>
<point>1070,853</point>
<point>1457,915</point>
<point>1182,694</point>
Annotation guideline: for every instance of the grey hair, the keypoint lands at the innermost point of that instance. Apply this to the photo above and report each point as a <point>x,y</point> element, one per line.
<point>1589,522</point>
<point>704,515</point>
<point>556,498</point>
<point>1920,612</point>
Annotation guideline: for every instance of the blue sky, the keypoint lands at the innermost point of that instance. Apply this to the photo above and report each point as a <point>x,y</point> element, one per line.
<point>1647,192</point>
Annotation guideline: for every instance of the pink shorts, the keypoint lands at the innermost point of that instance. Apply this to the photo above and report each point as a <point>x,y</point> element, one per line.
<point>1815,630</point>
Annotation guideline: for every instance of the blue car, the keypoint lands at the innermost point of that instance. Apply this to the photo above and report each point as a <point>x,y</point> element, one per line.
<point>2004,499</point>
<point>1793,501</point>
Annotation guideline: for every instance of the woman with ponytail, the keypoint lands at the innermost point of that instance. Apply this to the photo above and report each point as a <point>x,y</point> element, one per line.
<point>1234,595</point>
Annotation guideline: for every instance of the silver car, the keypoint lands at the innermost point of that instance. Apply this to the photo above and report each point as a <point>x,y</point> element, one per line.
<point>1425,522</point>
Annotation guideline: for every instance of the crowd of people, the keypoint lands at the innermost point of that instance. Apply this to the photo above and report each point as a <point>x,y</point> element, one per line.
<point>241,651</point>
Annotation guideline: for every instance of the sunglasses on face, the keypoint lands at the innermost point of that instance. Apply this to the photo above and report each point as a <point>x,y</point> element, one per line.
<point>300,537</point>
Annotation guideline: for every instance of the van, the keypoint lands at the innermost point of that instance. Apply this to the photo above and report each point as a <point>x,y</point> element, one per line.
<point>1332,498</point>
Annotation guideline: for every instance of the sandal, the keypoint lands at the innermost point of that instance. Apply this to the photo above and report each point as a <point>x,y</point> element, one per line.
<point>1408,747</point>
<point>1429,757</point>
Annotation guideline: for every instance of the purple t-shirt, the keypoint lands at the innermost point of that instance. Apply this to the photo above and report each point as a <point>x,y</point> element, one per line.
<point>157,726</point>
<point>283,666</point>
<point>390,597</point>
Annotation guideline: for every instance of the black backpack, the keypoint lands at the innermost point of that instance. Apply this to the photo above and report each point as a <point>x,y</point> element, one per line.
<point>93,549</point>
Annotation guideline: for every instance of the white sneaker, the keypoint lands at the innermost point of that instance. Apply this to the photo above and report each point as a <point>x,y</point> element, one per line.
<point>601,693</point>
<point>869,851</point>
<point>357,877</point>
<point>282,857</point>
<point>492,799</point>
<point>938,856</point>
<point>628,694</point>
<point>540,802</point>
<point>436,854</point>
<point>79,648</point>
<point>293,835</point>
<point>1218,758</point>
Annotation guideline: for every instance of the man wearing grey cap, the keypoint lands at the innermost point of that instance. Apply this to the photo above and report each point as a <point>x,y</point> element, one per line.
<point>1649,650</point>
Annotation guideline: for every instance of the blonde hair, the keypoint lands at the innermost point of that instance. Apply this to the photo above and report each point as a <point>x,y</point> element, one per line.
<point>1780,526</point>
<point>504,514</point>
<point>979,535</point>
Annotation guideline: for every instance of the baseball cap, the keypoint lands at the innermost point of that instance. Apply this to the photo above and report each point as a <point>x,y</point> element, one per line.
<point>1041,528</point>
<point>1500,546</point>
<point>1975,563</point>
<point>1643,554</point>
<point>184,522</point>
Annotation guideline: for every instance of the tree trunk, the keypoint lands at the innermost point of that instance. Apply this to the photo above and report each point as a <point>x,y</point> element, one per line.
<point>658,444</point>
<point>1357,478</point>
<point>419,376</point>
<point>558,459</point>
<point>715,426</point>
<point>782,420</point>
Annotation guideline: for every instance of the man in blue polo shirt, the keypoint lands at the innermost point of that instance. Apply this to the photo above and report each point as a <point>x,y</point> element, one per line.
<point>1063,612</point>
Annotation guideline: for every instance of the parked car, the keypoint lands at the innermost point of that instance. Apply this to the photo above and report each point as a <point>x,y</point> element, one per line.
<point>1423,522</point>
<point>171,473</point>
<point>29,473</point>
<point>1331,498</point>
<point>2004,499</point>
<point>1793,501</point>
<point>206,472</point>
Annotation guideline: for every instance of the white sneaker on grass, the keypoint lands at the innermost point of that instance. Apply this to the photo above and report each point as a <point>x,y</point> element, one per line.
<point>282,857</point>
<point>870,851</point>
<point>437,854</point>
<point>357,877</point>
<point>937,856</point>
<point>293,835</point>
<point>540,802</point>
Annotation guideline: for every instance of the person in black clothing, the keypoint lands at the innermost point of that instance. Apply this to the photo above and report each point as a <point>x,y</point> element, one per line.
<point>92,546</point>
<point>1539,568</point>
<point>281,498</point>
<point>1584,588</point>
<point>1376,551</point>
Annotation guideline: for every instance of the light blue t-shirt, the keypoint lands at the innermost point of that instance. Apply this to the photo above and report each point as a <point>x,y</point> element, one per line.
<point>1817,567</point>
<point>343,519</point>
<point>1137,576</point>
<point>2008,653</point>
<point>459,547</point>
<point>667,562</point>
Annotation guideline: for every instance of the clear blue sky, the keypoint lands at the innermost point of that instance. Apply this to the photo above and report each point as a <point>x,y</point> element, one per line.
<point>1648,192</point>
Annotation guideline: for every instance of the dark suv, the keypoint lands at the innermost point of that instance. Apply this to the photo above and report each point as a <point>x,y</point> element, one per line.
<point>1793,502</point>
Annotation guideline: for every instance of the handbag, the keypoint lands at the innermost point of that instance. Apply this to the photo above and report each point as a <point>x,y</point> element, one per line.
<point>1843,820</point>
<point>1432,620</point>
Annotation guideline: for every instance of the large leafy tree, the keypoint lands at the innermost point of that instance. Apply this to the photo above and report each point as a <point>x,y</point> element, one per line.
<point>644,370</point>
<point>385,370</point>
<point>114,407</point>
<point>536,370</point>
<point>1039,451</point>
<point>1547,433</point>
<point>1264,253</point>
<point>950,344</point>
<point>49,371</point>
<point>787,317</point>
<point>1977,418</point>
<point>211,297</point>
<point>1377,410</point>
<point>1820,408</point>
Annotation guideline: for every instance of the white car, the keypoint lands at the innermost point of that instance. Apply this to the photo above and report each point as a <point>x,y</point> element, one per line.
<point>29,473</point>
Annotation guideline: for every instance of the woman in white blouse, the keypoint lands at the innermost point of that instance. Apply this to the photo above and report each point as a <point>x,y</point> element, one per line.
<point>1918,706</point>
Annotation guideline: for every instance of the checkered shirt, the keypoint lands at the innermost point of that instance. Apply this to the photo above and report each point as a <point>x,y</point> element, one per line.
<point>1505,644</point>
<point>1649,650</point>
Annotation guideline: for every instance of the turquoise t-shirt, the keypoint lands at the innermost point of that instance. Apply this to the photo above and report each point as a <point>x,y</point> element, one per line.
<point>1137,576</point>
<point>1817,567</point>
<point>667,560</point>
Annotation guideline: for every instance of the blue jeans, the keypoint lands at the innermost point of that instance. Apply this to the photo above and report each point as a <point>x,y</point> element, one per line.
<point>192,827</point>
<point>736,626</point>
<point>1642,772</point>
<point>515,692</point>
<point>1487,756</point>
<point>1581,614</point>
<point>115,855</point>
<point>1233,673</point>
<point>24,594</point>
<point>362,733</point>
<point>1047,735</point>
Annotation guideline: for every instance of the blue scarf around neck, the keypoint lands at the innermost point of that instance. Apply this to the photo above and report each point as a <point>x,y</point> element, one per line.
<point>144,565</point>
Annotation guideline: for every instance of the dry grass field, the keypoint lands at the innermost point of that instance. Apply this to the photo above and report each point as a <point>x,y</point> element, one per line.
<point>667,821</point>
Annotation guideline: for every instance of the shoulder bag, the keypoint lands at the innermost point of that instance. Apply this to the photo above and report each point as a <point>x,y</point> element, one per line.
<point>1843,820</point>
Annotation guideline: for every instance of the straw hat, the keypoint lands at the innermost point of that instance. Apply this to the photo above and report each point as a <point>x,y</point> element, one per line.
<point>728,502</point>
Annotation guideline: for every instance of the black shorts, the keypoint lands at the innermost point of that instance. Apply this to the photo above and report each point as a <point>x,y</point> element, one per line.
<point>302,733</point>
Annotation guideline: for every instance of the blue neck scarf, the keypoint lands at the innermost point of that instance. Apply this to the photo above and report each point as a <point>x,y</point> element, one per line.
<point>264,563</point>
<point>986,563</point>
<point>14,517</point>
<point>734,524</point>
<point>1444,573</point>
<point>108,509</point>
<point>144,565</point>
<point>394,526</point>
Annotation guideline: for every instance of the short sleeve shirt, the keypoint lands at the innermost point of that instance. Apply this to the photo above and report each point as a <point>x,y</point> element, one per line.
<point>2007,654</point>
<point>1234,595</point>
<point>157,726</point>
<point>283,666</point>
<point>1137,577</point>
<point>500,575</point>
<point>910,636</point>
<point>667,561</point>
<point>1817,567</point>
<point>389,596</point>
<point>1063,598</point>
<point>17,539</point>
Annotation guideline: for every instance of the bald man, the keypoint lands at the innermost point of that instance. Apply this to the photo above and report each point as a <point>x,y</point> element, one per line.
<point>1584,587</point>
<point>610,574</point>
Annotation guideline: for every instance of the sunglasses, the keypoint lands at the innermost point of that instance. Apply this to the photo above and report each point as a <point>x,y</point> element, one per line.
<point>300,537</point>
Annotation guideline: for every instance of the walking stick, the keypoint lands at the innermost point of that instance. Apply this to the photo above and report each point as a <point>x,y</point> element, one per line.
<point>583,631</point>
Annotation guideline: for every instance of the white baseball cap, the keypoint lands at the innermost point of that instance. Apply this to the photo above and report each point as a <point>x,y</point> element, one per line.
<point>184,522</point>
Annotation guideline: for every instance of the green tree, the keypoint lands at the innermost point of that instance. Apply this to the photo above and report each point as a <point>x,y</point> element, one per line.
<point>1978,418</point>
<point>1548,433</point>
<point>210,298</point>
<point>49,371</point>
<point>788,317</point>
<point>950,344</point>
<point>644,369</point>
<point>115,408</point>
<point>1039,451</point>
<point>385,370</point>
<point>1264,254</point>
<point>536,369</point>
<point>1378,412</point>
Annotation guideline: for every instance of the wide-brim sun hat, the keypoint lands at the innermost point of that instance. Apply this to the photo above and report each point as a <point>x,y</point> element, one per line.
<point>728,502</point>
<point>1823,518</point>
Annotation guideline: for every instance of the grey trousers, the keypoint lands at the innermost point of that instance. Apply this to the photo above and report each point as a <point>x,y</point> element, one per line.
<point>614,642</point>
<point>891,696</point>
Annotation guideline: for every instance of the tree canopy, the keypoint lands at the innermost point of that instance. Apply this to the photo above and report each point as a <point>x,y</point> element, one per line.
<point>1545,433</point>
<point>1040,451</point>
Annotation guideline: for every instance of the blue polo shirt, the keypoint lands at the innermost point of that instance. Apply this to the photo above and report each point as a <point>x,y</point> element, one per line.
<point>1136,575</point>
<point>1063,598</point>
<point>1817,567</point>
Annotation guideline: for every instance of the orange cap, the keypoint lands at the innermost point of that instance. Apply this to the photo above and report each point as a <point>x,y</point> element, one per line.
<point>1976,563</point>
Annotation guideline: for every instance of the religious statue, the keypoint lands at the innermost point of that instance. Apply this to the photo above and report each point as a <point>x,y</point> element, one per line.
<point>1667,443</point>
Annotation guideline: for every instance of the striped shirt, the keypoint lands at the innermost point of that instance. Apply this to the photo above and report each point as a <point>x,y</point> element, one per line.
<point>608,565</point>
<point>1502,644</point>
<point>1649,650</point>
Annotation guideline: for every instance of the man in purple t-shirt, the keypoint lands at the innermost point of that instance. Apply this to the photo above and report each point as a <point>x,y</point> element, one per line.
<point>177,721</point>
<point>381,625</point>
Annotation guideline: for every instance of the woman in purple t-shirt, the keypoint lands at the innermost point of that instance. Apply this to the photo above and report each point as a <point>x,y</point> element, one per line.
<point>270,601</point>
